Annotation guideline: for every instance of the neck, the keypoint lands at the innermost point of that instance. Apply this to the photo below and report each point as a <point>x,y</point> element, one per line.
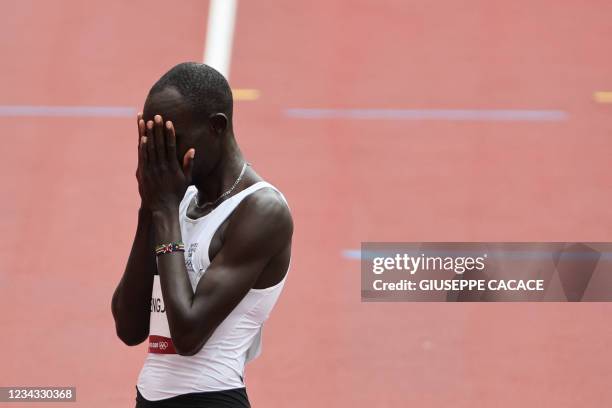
<point>223,176</point>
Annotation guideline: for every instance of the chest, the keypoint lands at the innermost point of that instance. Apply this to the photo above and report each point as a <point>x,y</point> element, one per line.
<point>203,242</point>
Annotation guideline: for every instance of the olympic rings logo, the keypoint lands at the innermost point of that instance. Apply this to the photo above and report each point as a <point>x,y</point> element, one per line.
<point>163,345</point>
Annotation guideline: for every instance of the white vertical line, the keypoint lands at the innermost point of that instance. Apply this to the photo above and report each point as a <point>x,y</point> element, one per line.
<point>219,35</point>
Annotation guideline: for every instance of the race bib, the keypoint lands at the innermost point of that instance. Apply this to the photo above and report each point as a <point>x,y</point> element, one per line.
<point>160,341</point>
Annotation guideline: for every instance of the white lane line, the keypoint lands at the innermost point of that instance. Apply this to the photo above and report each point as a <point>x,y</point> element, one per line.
<point>529,115</point>
<point>220,34</point>
<point>67,111</point>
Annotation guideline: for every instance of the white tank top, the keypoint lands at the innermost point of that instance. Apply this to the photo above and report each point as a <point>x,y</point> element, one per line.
<point>219,365</point>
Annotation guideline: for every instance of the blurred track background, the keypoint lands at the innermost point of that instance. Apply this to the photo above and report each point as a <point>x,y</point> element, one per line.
<point>69,195</point>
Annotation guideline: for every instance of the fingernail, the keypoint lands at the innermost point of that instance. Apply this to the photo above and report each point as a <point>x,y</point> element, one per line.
<point>150,124</point>
<point>157,118</point>
<point>192,154</point>
<point>168,125</point>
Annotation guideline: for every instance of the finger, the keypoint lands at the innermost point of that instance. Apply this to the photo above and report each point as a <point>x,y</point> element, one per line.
<point>160,143</point>
<point>141,127</point>
<point>171,145</point>
<point>141,134</point>
<point>151,156</point>
<point>142,152</point>
<point>188,160</point>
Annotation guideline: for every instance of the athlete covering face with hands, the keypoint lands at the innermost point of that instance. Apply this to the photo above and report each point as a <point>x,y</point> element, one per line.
<point>161,180</point>
<point>211,251</point>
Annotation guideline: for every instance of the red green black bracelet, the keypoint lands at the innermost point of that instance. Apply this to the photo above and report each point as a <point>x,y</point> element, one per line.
<point>169,248</point>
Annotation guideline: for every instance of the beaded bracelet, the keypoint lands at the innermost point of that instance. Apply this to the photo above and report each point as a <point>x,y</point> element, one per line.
<point>169,248</point>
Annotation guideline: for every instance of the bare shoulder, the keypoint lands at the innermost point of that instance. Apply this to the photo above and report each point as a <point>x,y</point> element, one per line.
<point>263,216</point>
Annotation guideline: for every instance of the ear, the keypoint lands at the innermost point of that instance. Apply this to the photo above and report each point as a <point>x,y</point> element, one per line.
<point>218,122</point>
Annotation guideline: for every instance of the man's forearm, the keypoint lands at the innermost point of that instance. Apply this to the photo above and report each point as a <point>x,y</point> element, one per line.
<point>175,284</point>
<point>131,300</point>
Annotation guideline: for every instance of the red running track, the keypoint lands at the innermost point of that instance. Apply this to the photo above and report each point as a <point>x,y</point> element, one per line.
<point>69,196</point>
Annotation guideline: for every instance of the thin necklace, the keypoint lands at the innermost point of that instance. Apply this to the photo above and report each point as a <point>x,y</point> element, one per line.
<point>228,192</point>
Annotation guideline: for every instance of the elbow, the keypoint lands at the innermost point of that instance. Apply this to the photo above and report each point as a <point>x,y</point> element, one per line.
<point>132,341</point>
<point>184,348</point>
<point>189,335</point>
<point>188,345</point>
<point>130,337</point>
<point>185,352</point>
<point>128,334</point>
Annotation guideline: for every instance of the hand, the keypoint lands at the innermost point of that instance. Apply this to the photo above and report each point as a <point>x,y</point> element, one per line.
<point>141,134</point>
<point>162,182</point>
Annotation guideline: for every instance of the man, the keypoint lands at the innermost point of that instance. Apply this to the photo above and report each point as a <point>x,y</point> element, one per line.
<point>211,250</point>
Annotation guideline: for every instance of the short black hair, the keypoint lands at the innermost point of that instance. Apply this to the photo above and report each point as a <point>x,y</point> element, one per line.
<point>205,89</point>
